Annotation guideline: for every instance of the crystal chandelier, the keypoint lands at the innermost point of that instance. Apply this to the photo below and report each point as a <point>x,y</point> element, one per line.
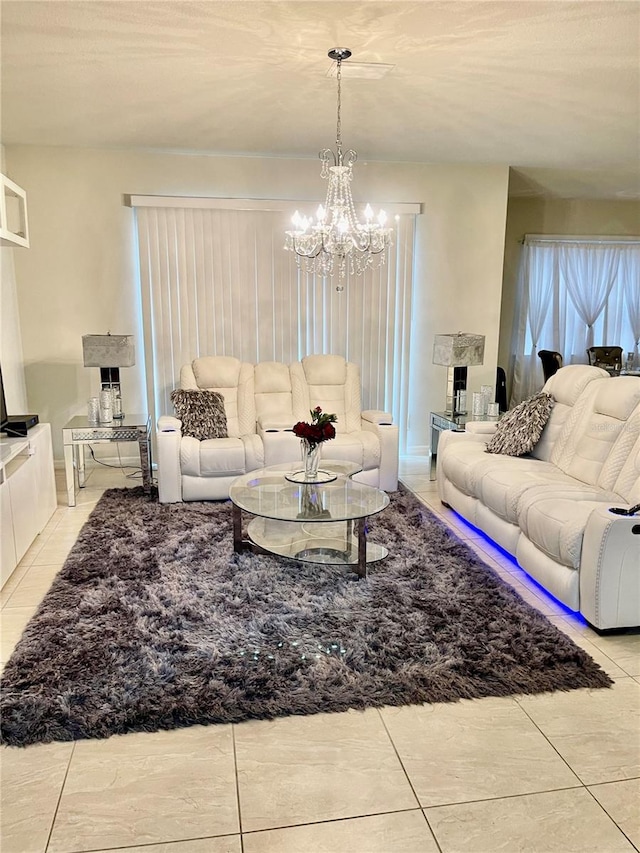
<point>337,241</point>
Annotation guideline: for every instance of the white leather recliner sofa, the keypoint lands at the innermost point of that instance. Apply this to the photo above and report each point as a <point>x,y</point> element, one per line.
<point>551,508</point>
<point>262,403</point>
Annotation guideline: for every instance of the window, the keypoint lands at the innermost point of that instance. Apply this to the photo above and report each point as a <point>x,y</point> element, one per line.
<point>217,281</point>
<point>573,293</point>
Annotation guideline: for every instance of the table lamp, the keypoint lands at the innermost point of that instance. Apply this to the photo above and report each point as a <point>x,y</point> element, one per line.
<point>109,353</point>
<point>457,352</point>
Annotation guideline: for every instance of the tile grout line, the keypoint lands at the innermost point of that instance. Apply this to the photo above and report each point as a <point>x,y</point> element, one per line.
<point>552,745</point>
<point>611,818</point>
<point>404,770</point>
<point>55,813</point>
<point>322,822</point>
<point>235,773</point>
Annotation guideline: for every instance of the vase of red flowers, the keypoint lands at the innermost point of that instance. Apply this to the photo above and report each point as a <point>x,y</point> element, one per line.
<point>311,436</point>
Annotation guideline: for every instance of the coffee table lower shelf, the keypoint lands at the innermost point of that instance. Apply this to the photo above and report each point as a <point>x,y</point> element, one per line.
<point>334,543</point>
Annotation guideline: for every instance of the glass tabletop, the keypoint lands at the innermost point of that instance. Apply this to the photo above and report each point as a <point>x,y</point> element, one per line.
<point>128,421</point>
<point>268,494</point>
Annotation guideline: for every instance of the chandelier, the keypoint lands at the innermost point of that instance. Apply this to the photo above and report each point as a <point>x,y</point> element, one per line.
<point>337,241</point>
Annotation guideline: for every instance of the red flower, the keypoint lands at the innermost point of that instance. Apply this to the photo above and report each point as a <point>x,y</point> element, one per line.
<point>320,429</point>
<point>329,431</point>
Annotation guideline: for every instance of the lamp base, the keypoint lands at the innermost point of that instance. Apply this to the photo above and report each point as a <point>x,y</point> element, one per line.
<point>110,381</point>
<point>456,391</point>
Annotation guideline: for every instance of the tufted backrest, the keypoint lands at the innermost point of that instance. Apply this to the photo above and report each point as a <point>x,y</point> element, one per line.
<point>332,383</point>
<point>567,388</point>
<point>627,482</point>
<point>234,380</point>
<point>596,443</point>
<point>274,404</point>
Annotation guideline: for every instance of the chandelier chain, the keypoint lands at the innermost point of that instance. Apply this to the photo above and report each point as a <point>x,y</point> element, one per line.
<point>339,118</point>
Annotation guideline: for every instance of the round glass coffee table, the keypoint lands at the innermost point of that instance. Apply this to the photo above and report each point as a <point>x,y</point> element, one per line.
<point>311,522</point>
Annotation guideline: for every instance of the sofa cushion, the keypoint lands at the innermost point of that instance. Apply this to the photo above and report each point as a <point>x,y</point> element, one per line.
<point>363,448</point>
<point>519,429</point>
<point>201,412</point>
<point>593,436</point>
<point>500,482</point>
<point>231,378</point>
<point>627,482</point>
<point>273,395</point>
<point>333,384</point>
<point>554,520</point>
<point>216,371</point>
<point>460,462</point>
<point>217,457</point>
<point>566,387</point>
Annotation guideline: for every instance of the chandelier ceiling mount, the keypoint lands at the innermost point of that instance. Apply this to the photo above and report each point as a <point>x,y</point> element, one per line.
<point>337,241</point>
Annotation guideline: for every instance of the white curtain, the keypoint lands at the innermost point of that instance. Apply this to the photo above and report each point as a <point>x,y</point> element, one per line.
<point>589,272</point>
<point>600,276</point>
<point>219,282</point>
<point>537,273</point>
<point>630,274</point>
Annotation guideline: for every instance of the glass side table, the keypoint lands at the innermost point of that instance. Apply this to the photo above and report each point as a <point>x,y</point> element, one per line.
<point>438,422</point>
<point>80,432</point>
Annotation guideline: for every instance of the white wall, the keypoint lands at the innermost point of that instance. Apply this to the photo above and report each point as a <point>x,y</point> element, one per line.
<point>80,274</point>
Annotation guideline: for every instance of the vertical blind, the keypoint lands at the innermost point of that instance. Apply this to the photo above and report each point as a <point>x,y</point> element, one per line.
<point>219,282</point>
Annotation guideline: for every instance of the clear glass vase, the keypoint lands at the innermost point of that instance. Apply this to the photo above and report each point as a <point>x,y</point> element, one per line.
<point>310,458</point>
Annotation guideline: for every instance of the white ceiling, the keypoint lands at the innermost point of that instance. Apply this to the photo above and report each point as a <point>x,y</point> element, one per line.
<point>549,88</point>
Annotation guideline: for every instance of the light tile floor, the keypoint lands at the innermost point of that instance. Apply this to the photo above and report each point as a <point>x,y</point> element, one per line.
<point>556,772</point>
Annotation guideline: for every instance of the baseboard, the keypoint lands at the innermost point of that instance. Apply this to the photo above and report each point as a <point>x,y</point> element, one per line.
<point>418,450</point>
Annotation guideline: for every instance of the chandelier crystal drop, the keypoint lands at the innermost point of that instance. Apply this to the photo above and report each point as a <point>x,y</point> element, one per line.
<point>337,242</point>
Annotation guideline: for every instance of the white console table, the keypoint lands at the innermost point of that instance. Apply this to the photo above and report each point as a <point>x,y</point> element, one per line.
<point>27,493</point>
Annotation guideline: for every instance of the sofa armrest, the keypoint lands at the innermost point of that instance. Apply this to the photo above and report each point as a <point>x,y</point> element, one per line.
<point>168,442</point>
<point>444,440</point>
<point>609,573</point>
<point>167,423</point>
<point>375,416</point>
<point>481,427</point>
<point>448,435</point>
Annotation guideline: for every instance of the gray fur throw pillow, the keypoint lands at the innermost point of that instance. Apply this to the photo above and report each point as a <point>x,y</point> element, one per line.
<point>519,430</point>
<point>201,412</point>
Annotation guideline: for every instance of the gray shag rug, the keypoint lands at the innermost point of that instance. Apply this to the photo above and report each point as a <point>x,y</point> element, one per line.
<point>154,623</point>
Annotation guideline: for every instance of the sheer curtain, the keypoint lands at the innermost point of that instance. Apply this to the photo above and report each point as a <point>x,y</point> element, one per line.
<point>630,274</point>
<point>537,276</point>
<point>218,282</point>
<point>589,272</point>
<point>591,289</point>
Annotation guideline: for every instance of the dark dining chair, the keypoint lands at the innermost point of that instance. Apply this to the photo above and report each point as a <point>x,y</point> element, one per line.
<point>551,362</point>
<point>610,358</point>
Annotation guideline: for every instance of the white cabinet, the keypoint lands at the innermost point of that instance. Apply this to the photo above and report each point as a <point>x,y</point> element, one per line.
<point>27,493</point>
<point>14,225</point>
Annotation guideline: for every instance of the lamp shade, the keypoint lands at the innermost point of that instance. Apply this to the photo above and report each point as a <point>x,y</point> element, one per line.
<point>108,351</point>
<point>460,349</point>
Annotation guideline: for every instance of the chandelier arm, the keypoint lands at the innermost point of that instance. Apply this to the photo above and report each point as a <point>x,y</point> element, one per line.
<point>327,153</point>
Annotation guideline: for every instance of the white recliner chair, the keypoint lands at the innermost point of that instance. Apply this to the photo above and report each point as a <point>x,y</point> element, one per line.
<point>368,438</point>
<point>193,470</point>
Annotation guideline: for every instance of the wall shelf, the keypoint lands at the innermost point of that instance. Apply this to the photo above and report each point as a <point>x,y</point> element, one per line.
<point>14,225</point>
